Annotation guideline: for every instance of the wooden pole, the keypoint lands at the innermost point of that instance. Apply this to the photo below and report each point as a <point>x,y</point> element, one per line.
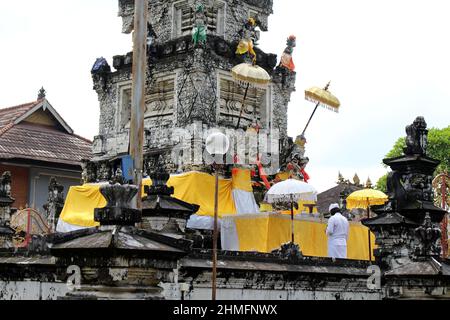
<point>310,119</point>
<point>315,110</point>
<point>243,106</point>
<point>138,102</point>
<point>216,234</point>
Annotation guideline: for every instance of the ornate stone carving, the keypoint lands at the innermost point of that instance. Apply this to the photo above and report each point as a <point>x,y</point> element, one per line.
<point>42,94</point>
<point>199,32</point>
<point>428,235</point>
<point>289,251</point>
<point>248,39</point>
<point>5,186</point>
<point>417,138</point>
<point>287,61</point>
<point>406,227</point>
<point>55,203</point>
<point>118,210</point>
<point>104,172</point>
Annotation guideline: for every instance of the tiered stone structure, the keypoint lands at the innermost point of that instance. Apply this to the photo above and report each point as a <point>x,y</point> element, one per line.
<point>188,86</point>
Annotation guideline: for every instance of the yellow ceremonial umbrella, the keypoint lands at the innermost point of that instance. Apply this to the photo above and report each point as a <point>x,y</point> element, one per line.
<point>364,199</point>
<point>249,75</point>
<point>322,97</point>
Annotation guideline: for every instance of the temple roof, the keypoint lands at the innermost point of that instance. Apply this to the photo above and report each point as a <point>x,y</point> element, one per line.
<point>35,131</point>
<point>333,196</point>
<point>124,239</point>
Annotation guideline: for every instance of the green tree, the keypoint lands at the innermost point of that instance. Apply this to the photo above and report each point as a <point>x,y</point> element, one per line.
<point>438,148</point>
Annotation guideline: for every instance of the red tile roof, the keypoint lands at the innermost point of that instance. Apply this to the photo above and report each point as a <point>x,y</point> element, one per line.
<point>37,142</point>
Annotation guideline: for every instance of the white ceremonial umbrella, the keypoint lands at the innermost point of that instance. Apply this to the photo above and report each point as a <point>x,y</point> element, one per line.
<point>291,191</point>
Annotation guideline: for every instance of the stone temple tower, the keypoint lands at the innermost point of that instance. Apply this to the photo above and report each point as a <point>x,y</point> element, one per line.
<point>190,88</point>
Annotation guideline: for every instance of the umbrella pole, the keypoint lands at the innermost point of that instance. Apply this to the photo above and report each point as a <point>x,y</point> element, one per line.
<point>243,106</point>
<point>292,220</point>
<point>215,235</point>
<point>312,116</point>
<point>370,236</point>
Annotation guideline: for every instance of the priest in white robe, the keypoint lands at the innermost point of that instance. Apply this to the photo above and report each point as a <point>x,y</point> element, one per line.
<point>337,232</point>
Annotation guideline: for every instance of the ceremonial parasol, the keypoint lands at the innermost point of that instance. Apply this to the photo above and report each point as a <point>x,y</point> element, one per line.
<point>322,97</point>
<point>291,191</point>
<point>249,75</point>
<point>364,199</point>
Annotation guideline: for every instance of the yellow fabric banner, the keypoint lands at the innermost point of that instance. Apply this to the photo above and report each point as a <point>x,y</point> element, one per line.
<point>194,187</point>
<point>267,233</point>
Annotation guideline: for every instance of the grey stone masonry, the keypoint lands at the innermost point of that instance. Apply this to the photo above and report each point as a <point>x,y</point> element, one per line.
<point>187,84</point>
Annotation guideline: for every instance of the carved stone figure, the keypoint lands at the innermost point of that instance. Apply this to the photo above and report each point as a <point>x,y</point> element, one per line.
<point>296,162</point>
<point>5,185</point>
<point>428,235</point>
<point>199,31</point>
<point>287,61</point>
<point>55,203</point>
<point>104,172</point>
<point>417,137</point>
<point>246,44</point>
<point>118,177</point>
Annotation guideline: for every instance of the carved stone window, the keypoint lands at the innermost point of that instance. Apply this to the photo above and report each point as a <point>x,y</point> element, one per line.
<point>160,102</point>
<point>231,101</point>
<point>184,15</point>
<point>124,106</point>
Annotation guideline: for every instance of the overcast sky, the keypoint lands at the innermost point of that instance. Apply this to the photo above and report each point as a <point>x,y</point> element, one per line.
<point>389,61</point>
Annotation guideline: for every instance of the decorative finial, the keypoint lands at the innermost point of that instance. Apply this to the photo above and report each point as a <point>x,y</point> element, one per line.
<point>327,86</point>
<point>369,184</point>
<point>41,94</point>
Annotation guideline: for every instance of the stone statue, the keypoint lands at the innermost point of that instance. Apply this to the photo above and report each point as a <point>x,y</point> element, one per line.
<point>104,172</point>
<point>151,35</point>
<point>199,32</point>
<point>428,234</point>
<point>296,161</point>
<point>118,177</point>
<point>417,138</point>
<point>55,203</point>
<point>5,185</point>
<point>287,61</point>
<point>246,45</point>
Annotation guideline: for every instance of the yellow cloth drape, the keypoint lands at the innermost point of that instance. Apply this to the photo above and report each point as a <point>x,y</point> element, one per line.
<point>265,233</point>
<point>80,204</point>
<point>194,187</point>
<point>199,188</point>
